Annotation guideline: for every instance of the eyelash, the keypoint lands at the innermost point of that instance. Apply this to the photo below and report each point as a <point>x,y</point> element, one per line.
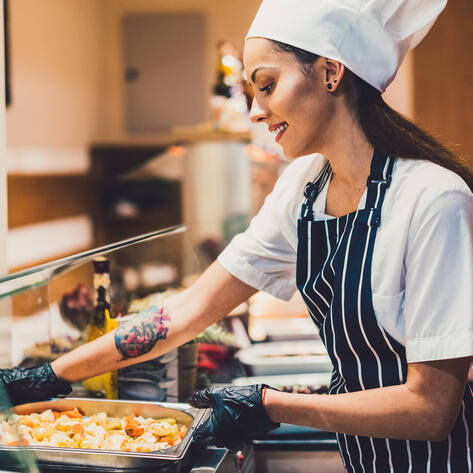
<point>267,89</point>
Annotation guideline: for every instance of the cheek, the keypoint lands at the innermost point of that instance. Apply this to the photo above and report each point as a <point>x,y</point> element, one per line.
<point>300,103</point>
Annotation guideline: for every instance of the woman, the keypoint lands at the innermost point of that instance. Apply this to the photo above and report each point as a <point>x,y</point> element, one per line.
<point>379,242</point>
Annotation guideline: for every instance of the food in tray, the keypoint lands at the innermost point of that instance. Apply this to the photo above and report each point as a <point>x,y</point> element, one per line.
<point>98,431</point>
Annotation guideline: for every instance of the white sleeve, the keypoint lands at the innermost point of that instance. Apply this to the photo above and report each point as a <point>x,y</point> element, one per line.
<point>265,255</point>
<point>439,279</point>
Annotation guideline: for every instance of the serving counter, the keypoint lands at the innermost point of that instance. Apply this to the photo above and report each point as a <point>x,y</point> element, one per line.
<point>143,269</point>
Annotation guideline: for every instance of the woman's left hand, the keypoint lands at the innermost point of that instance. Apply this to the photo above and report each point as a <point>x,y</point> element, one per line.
<point>237,415</point>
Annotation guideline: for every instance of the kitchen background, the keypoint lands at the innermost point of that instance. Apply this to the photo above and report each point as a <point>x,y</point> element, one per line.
<point>130,116</point>
<point>69,94</point>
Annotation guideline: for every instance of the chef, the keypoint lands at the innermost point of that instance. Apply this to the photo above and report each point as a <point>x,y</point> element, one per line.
<point>372,222</point>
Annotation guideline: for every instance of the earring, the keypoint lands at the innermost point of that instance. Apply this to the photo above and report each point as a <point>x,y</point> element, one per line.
<point>329,86</point>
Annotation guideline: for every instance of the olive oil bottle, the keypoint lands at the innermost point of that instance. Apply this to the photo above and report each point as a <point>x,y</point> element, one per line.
<point>100,324</point>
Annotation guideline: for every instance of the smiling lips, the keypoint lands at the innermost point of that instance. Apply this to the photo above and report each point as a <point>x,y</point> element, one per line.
<point>278,129</point>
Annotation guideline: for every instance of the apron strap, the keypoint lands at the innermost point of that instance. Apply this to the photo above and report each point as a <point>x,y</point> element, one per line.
<point>377,183</point>
<point>312,190</point>
<point>378,180</point>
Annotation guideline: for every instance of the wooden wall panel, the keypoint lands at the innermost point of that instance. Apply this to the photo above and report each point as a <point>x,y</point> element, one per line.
<point>443,79</point>
<point>35,199</point>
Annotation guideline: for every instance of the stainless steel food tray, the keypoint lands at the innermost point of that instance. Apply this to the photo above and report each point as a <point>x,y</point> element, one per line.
<point>91,459</point>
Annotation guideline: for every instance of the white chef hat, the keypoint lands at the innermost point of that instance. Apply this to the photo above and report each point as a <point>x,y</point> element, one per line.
<point>369,37</point>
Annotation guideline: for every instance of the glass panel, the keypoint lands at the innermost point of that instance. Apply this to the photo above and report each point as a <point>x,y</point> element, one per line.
<point>38,275</point>
<point>49,307</point>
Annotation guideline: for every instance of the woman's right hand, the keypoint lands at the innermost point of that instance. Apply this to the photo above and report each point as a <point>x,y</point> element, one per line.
<point>33,384</point>
<point>237,415</point>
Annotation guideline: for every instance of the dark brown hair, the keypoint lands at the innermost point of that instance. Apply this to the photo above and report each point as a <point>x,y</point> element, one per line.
<point>387,130</point>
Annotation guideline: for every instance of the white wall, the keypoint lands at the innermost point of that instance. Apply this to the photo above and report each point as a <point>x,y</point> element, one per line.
<point>56,50</point>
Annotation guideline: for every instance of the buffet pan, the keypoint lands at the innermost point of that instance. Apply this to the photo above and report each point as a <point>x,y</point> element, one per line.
<point>275,358</point>
<point>100,460</point>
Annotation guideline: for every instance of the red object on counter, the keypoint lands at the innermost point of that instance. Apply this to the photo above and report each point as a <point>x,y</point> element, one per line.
<point>211,357</point>
<point>217,352</point>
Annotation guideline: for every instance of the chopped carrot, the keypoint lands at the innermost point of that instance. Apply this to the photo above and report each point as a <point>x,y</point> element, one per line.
<point>135,432</point>
<point>78,429</point>
<point>131,423</point>
<point>57,414</point>
<point>27,422</point>
<point>73,414</point>
<point>169,440</point>
<point>132,427</point>
<point>182,435</point>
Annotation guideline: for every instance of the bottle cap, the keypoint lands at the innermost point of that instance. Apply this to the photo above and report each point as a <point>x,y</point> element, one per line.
<point>101,265</point>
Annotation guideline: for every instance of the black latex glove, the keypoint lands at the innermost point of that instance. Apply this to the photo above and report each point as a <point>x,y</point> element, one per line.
<point>33,384</point>
<point>237,415</point>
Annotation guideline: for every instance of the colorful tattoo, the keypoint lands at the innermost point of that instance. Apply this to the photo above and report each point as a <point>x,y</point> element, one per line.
<point>140,334</point>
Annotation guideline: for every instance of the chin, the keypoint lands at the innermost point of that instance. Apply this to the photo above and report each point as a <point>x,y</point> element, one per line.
<point>293,149</point>
<point>292,153</point>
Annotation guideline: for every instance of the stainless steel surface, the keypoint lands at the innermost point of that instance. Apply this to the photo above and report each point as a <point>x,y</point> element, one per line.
<point>298,462</point>
<point>221,460</point>
<point>118,460</point>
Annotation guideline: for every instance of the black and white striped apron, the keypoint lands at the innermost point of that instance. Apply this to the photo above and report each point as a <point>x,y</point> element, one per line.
<point>334,259</point>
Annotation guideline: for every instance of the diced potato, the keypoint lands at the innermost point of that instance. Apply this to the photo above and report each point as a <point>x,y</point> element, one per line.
<point>60,439</point>
<point>35,418</point>
<point>43,431</point>
<point>164,429</point>
<point>113,423</point>
<point>26,421</point>
<point>100,434</point>
<point>47,416</point>
<point>168,420</point>
<point>91,428</point>
<point>13,419</point>
<point>114,442</point>
<point>8,438</point>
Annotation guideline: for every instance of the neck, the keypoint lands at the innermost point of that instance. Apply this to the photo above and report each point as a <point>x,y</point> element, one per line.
<point>349,152</point>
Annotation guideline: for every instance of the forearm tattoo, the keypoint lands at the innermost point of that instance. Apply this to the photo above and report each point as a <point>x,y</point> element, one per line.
<point>140,334</point>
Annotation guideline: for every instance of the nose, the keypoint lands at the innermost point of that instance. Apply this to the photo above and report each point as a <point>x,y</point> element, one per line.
<point>258,113</point>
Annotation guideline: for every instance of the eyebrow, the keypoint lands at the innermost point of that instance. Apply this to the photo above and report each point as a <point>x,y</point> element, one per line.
<point>253,74</point>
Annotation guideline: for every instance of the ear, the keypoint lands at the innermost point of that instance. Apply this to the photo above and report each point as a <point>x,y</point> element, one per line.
<point>333,73</point>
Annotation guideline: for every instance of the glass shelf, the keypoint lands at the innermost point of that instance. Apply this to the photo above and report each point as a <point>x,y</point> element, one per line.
<point>45,310</point>
<point>38,275</point>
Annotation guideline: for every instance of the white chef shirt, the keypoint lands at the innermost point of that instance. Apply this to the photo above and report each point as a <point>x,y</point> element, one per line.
<point>422,271</point>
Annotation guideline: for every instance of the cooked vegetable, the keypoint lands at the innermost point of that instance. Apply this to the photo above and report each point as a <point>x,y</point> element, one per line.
<point>72,429</point>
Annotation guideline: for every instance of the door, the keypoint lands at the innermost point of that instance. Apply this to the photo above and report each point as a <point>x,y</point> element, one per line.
<point>164,71</point>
